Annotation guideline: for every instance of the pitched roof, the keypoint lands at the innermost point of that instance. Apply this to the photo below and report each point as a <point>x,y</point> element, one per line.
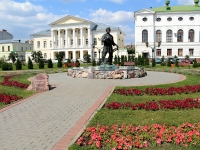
<point>102,27</point>
<point>182,8</point>
<point>44,32</point>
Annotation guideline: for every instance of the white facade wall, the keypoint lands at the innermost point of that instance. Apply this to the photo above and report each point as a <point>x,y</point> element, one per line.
<point>152,26</point>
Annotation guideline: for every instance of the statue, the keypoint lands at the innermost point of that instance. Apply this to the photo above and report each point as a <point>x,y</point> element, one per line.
<point>108,41</point>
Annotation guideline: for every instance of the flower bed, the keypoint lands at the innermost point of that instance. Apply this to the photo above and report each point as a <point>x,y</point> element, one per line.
<point>188,103</point>
<point>6,82</point>
<point>159,91</point>
<point>7,99</point>
<point>117,137</point>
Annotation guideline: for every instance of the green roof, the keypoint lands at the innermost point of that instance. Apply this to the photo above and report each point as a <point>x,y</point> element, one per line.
<point>183,8</point>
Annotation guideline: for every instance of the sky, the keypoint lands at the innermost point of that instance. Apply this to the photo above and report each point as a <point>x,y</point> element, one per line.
<point>21,18</point>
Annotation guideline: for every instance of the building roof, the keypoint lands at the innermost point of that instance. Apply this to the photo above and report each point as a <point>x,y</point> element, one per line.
<point>44,32</point>
<point>182,8</point>
<point>102,27</point>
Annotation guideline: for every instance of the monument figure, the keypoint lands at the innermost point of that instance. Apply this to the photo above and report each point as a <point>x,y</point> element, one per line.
<point>108,41</point>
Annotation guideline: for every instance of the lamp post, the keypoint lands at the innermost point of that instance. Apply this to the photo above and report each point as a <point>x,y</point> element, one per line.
<point>153,48</point>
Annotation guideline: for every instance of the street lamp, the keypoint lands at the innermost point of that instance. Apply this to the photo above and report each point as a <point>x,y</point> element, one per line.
<point>153,48</point>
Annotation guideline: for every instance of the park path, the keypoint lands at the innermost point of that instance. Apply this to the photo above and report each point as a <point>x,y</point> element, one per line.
<point>40,122</point>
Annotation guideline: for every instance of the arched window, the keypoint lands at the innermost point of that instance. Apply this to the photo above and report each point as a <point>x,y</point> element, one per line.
<point>180,36</point>
<point>169,36</point>
<point>191,35</point>
<point>158,36</point>
<point>144,36</point>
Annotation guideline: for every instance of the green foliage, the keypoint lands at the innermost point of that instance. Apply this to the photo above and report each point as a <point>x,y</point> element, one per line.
<point>187,56</point>
<point>140,60</point>
<point>94,63</point>
<point>132,58</point>
<point>68,61</point>
<point>176,63</point>
<point>131,50</point>
<point>59,64</point>
<point>168,62</point>
<point>146,62</point>
<point>125,59</point>
<point>87,57</point>
<point>50,63</point>
<point>115,60</point>
<point>136,62</point>
<point>153,62</point>
<point>163,59</point>
<point>122,60</point>
<point>13,56</point>
<point>7,66</point>
<point>195,64</point>
<point>30,63</point>
<point>60,55</point>
<point>175,56</point>
<point>1,61</point>
<point>41,64</point>
<point>129,57</point>
<point>36,56</point>
<point>118,59</point>
<point>18,65</point>
<point>163,64</point>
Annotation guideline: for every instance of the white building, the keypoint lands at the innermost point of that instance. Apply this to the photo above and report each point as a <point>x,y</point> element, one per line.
<point>177,27</point>
<point>75,37</point>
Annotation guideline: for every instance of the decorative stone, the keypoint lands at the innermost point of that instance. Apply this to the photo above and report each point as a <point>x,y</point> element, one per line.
<point>40,83</point>
<point>84,75</point>
<point>90,76</point>
<point>117,76</point>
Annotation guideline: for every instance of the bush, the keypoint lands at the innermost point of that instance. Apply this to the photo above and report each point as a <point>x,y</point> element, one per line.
<point>30,63</point>
<point>59,65</point>
<point>153,62</point>
<point>176,63</point>
<point>1,62</point>
<point>115,60</point>
<point>122,60</point>
<point>49,63</point>
<point>136,62</point>
<point>41,64</point>
<point>163,64</point>
<point>18,65</point>
<point>93,62</point>
<point>168,62</point>
<point>195,64</point>
<point>118,59</point>
<point>146,61</point>
<point>6,66</point>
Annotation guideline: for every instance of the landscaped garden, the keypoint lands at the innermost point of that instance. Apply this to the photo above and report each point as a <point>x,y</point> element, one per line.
<point>147,117</point>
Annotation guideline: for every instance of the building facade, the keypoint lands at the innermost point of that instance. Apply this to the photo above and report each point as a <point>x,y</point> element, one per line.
<point>177,27</point>
<point>75,37</point>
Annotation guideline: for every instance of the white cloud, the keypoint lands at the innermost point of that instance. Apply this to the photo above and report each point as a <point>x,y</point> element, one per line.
<point>120,19</point>
<point>118,1</point>
<point>185,2</point>
<point>23,19</point>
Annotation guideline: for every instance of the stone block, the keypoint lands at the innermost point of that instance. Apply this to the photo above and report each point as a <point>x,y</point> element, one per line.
<point>40,83</point>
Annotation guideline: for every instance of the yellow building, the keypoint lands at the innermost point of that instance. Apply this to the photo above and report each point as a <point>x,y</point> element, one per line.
<point>75,37</point>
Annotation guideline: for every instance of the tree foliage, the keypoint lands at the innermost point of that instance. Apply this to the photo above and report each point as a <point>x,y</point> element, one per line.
<point>60,55</point>
<point>41,64</point>
<point>59,64</point>
<point>18,65</point>
<point>13,56</point>
<point>30,63</point>
<point>87,57</point>
<point>50,63</point>
<point>36,56</point>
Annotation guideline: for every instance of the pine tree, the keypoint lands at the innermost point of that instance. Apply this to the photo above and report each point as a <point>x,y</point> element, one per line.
<point>147,61</point>
<point>115,60</point>
<point>136,62</point>
<point>50,63</point>
<point>93,62</point>
<point>30,63</point>
<point>125,59</point>
<point>118,59</point>
<point>59,65</point>
<point>122,60</point>
<point>168,62</point>
<point>176,63</point>
<point>41,64</point>
<point>153,62</point>
<point>18,65</point>
<point>139,60</point>
<point>195,65</point>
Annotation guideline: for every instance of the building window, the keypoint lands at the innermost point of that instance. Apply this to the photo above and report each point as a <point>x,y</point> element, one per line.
<point>22,49</point>
<point>79,31</point>
<point>144,36</point>
<point>64,31</point>
<point>158,19</point>
<point>64,42</point>
<point>169,19</point>
<point>79,41</point>
<point>50,43</point>
<point>180,52</point>
<point>180,19</point>
<point>2,48</point>
<point>191,52</point>
<point>86,41</point>
<point>45,44</point>
<point>144,19</point>
<point>9,48</point>
<point>38,44</point>
<point>71,41</point>
<point>95,41</point>
<point>45,55</point>
<point>95,54</point>
<point>191,35</point>
<point>169,35</point>
<point>169,52</point>
<point>191,18</point>
<point>158,36</point>
<point>86,30</point>
<point>71,31</point>
<point>180,36</point>
<point>158,52</point>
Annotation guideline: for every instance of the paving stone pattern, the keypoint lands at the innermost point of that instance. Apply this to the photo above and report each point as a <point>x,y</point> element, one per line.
<point>39,123</point>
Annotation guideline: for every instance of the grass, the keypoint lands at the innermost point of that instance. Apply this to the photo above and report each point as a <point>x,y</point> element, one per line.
<point>175,117</point>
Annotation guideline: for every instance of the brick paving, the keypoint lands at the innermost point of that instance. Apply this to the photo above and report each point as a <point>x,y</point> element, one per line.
<point>51,119</point>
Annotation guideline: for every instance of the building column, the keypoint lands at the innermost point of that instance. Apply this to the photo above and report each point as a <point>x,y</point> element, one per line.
<point>89,37</point>
<point>66,54</point>
<point>66,38</point>
<point>59,38</point>
<point>81,54</point>
<point>81,37</point>
<point>52,39</point>
<point>73,37</point>
<point>74,55</point>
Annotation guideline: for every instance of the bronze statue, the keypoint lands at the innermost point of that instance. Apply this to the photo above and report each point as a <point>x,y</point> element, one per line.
<point>108,41</point>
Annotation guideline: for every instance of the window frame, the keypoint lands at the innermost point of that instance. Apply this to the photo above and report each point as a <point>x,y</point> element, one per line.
<point>180,35</point>
<point>144,36</point>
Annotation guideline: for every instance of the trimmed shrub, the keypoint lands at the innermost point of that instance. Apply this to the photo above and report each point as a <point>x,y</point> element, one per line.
<point>93,62</point>
<point>30,63</point>
<point>136,62</point>
<point>41,64</point>
<point>115,60</point>
<point>195,64</point>
<point>7,66</point>
<point>176,63</point>
<point>153,62</point>
<point>122,60</point>
<point>59,65</point>
<point>163,64</point>
<point>146,61</point>
<point>168,62</point>
<point>50,63</point>
<point>1,62</point>
<point>18,65</point>
<point>118,59</point>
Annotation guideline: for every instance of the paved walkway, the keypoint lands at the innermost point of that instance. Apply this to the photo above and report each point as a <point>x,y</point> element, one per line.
<point>45,121</point>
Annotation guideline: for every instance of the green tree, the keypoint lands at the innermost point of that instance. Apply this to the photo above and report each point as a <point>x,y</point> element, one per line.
<point>60,55</point>
<point>118,59</point>
<point>125,59</point>
<point>59,64</point>
<point>87,57</point>
<point>18,65</point>
<point>13,56</point>
<point>36,56</point>
<point>153,62</point>
<point>195,64</point>
<point>168,62</point>
<point>139,60</point>
<point>187,56</point>
<point>176,63</point>
<point>132,58</point>
<point>146,61</point>
<point>93,62</point>
<point>175,56</point>
<point>6,66</point>
<point>115,60</point>
<point>136,61</point>
<point>50,63</point>
<point>30,63</point>
<point>122,60</point>
<point>41,64</point>
<point>163,59</point>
